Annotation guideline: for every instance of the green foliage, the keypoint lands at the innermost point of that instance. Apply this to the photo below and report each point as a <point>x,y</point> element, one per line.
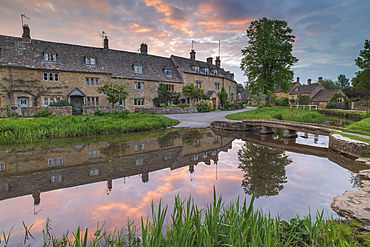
<point>191,136</point>
<point>329,83</point>
<point>362,79</point>
<point>303,99</point>
<point>114,91</point>
<point>363,60</point>
<point>334,101</point>
<point>43,113</point>
<point>358,138</point>
<point>239,88</point>
<point>204,105</point>
<point>278,116</point>
<point>223,96</point>
<point>164,96</point>
<point>268,57</point>
<point>296,115</point>
<point>192,92</point>
<point>292,101</point>
<point>61,103</point>
<point>342,81</point>
<point>282,102</point>
<point>31,130</point>
<point>361,127</point>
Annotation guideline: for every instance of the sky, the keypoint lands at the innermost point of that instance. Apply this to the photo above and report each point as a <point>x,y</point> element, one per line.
<point>329,34</point>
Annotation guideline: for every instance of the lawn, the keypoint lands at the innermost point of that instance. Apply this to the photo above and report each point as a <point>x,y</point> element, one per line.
<point>361,127</point>
<point>31,130</point>
<point>296,115</point>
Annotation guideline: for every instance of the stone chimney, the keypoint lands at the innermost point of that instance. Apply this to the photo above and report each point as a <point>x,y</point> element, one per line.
<point>218,62</point>
<point>192,55</point>
<point>319,80</point>
<point>209,60</point>
<point>298,79</point>
<point>106,45</point>
<point>26,36</point>
<point>309,82</point>
<point>144,48</point>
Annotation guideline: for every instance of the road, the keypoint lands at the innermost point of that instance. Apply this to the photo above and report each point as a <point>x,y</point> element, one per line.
<point>203,120</point>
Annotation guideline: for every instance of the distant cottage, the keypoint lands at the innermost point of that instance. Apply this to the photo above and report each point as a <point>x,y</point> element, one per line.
<point>38,73</point>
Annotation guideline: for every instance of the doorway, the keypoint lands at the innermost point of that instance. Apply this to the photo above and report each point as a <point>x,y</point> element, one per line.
<point>22,102</point>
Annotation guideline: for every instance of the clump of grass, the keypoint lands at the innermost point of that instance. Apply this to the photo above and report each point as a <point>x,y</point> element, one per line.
<point>31,130</point>
<point>361,127</point>
<point>218,224</point>
<point>297,115</point>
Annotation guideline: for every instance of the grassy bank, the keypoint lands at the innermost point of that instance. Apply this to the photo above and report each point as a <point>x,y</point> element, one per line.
<point>361,127</point>
<point>296,115</point>
<point>31,130</point>
<point>218,224</point>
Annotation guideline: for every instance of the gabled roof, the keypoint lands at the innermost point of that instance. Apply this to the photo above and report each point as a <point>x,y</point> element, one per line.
<point>76,92</point>
<point>304,89</point>
<point>187,65</point>
<point>245,95</point>
<point>210,93</point>
<point>325,95</point>
<point>72,58</point>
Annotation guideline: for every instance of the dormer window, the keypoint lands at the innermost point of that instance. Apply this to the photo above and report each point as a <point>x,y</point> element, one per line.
<point>196,69</point>
<point>50,55</point>
<point>206,71</point>
<point>90,60</point>
<point>215,72</point>
<point>138,69</point>
<point>168,72</point>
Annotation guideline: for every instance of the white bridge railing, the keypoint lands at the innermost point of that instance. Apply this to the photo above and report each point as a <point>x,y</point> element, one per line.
<point>303,106</point>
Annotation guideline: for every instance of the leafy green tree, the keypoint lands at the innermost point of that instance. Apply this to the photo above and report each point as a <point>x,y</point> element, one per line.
<point>264,169</point>
<point>342,81</point>
<point>192,92</point>
<point>239,88</point>
<point>329,83</point>
<point>268,57</point>
<point>303,99</point>
<point>362,78</point>
<point>223,96</point>
<point>164,95</point>
<point>114,91</point>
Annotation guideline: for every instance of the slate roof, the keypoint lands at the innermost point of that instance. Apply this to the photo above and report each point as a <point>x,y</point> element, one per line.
<point>209,94</point>
<point>304,89</point>
<point>72,58</point>
<point>245,95</point>
<point>291,87</point>
<point>187,66</point>
<point>325,95</point>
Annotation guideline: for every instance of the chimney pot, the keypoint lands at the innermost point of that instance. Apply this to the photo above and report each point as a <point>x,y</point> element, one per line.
<point>320,80</point>
<point>218,62</point>
<point>144,48</point>
<point>297,79</point>
<point>309,82</point>
<point>209,60</point>
<point>106,43</point>
<point>192,55</point>
<point>26,36</point>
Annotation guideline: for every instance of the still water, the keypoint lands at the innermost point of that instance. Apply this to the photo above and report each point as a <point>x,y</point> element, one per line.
<point>80,182</point>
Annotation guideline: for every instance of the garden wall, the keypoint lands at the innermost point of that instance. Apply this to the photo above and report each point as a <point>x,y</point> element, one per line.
<point>168,110</point>
<point>358,106</point>
<point>3,112</point>
<point>90,110</point>
<point>55,110</point>
<point>348,146</point>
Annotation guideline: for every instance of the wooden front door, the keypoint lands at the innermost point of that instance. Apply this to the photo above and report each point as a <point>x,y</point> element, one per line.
<point>214,103</point>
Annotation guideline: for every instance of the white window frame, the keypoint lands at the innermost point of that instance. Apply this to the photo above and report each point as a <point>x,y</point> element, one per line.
<point>94,172</point>
<point>217,86</point>
<point>2,166</point>
<point>138,69</point>
<point>215,72</point>
<point>168,156</point>
<point>46,101</point>
<point>139,102</point>
<point>198,84</point>
<point>50,57</point>
<point>139,85</point>
<point>206,71</point>
<point>50,76</point>
<point>168,72</point>
<point>140,162</point>
<point>139,147</point>
<point>90,60</point>
<point>196,69</point>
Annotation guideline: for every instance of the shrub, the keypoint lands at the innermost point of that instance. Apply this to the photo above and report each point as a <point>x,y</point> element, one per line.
<point>163,105</point>
<point>61,103</point>
<point>303,99</point>
<point>98,113</point>
<point>292,101</point>
<point>204,105</point>
<point>278,116</point>
<point>282,102</point>
<point>43,113</point>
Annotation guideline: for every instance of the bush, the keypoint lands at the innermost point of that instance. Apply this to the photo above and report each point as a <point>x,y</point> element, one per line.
<point>303,99</point>
<point>43,113</point>
<point>98,113</point>
<point>278,116</point>
<point>204,105</point>
<point>282,102</point>
<point>162,105</point>
<point>61,103</point>
<point>292,101</point>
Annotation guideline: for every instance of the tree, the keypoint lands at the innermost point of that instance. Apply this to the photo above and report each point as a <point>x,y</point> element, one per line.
<point>192,92</point>
<point>165,95</point>
<point>342,81</point>
<point>222,96</point>
<point>362,78</point>
<point>329,83</point>
<point>239,88</point>
<point>268,57</point>
<point>114,92</point>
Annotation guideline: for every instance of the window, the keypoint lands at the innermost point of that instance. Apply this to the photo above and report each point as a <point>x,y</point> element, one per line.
<point>214,152</point>
<point>92,81</point>
<point>50,100</point>
<point>196,69</point>
<point>46,101</point>
<point>56,178</point>
<point>195,157</point>
<point>139,162</point>
<point>205,155</point>
<point>55,162</point>
<point>139,147</point>
<point>215,139</point>
<point>197,100</point>
<point>197,143</point>
<point>170,102</point>
<point>51,57</point>
<point>2,166</point>
<point>94,155</point>
<point>217,86</point>
<point>168,72</point>
<point>170,87</point>
<point>206,71</point>
<point>229,89</point>
<point>92,100</point>
<point>170,143</point>
<point>138,69</point>
<point>121,103</point>
<point>340,100</point>
<point>168,156</point>
<point>198,84</point>
<point>50,76</point>
<point>215,72</point>
<point>90,60</point>
<point>138,85</point>
<point>138,101</point>
<point>281,94</point>
<point>94,172</point>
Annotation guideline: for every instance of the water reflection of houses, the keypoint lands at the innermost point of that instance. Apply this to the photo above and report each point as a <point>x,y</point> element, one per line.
<point>39,169</point>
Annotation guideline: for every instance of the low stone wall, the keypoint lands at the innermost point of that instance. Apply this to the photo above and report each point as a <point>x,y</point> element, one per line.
<point>90,110</point>
<point>55,110</point>
<point>3,112</point>
<point>238,126</point>
<point>348,146</point>
<point>168,110</point>
<point>359,106</point>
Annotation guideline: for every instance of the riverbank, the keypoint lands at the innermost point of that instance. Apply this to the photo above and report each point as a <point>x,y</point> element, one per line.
<point>218,224</point>
<point>23,130</point>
